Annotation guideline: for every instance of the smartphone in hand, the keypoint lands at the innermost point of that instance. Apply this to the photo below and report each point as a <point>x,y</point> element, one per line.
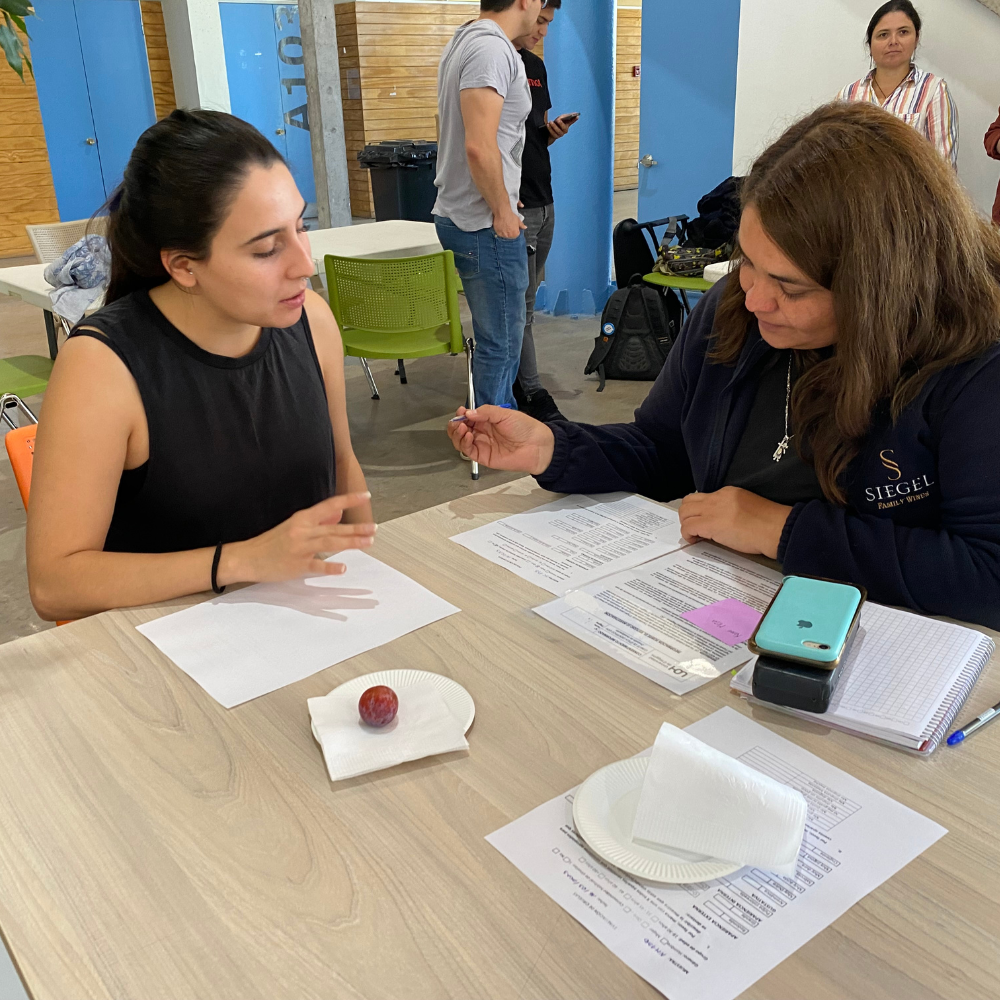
<point>569,119</point>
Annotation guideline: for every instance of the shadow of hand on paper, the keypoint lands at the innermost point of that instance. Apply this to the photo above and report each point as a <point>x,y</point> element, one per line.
<point>299,595</point>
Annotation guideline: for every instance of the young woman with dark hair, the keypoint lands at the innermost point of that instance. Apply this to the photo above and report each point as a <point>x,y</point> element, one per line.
<point>833,405</point>
<point>916,97</point>
<point>194,432</point>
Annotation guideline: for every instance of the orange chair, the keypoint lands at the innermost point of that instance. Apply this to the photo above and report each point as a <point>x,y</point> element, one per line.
<point>20,442</point>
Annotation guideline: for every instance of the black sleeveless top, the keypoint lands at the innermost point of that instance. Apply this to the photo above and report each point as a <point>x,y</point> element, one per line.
<point>236,445</point>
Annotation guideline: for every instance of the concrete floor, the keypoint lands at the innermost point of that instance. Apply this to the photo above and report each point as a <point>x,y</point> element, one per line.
<point>399,440</point>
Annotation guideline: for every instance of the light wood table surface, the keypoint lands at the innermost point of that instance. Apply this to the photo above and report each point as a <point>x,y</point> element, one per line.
<point>154,845</point>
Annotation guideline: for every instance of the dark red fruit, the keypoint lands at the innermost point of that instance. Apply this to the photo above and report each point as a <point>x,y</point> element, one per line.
<point>378,706</point>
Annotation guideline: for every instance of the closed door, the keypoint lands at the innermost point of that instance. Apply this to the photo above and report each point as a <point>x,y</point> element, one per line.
<point>267,82</point>
<point>95,95</point>
<point>687,104</point>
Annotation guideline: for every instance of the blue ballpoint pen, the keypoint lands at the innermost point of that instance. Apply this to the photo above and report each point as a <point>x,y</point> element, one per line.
<point>960,734</point>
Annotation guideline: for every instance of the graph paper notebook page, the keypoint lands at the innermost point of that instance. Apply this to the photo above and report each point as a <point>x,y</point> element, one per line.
<point>712,940</point>
<point>904,680</point>
<point>577,539</point>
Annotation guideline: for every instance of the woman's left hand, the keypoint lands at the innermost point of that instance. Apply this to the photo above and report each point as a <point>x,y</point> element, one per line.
<point>736,518</point>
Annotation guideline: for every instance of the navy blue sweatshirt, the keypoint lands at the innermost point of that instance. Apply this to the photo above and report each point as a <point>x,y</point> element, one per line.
<point>921,528</point>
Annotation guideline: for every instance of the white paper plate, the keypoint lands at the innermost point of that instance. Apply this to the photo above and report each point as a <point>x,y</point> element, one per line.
<point>458,700</point>
<point>603,811</point>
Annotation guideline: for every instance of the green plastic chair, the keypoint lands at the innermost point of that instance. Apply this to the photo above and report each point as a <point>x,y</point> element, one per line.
<point>398,308</point>
<point>26,375</point>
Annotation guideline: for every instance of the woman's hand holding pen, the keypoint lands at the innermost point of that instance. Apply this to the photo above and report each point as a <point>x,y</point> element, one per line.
<point>502,439</point>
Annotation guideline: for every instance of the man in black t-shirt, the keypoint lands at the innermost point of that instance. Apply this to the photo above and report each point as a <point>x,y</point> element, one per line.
<point>538,210</point>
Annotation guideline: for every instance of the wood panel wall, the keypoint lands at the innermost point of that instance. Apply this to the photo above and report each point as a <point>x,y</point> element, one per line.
<point>395,49</point>
<point>629,52</point>
<point>159,57</point>
<point>27,196</point>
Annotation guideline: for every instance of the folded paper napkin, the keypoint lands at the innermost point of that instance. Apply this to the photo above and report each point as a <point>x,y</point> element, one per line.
<point>423,727</point>
<point>699,799</point>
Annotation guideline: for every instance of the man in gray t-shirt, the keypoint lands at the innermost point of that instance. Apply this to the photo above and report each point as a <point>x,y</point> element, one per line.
<point>483,101</point>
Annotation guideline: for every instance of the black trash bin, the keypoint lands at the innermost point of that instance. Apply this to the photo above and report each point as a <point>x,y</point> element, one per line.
<point>402,178</point>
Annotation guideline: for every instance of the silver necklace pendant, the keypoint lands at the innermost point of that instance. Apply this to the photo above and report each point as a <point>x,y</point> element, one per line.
<point>779,452</point>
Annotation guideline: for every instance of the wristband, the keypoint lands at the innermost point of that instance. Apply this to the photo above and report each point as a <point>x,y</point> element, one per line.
<point>215,569</point>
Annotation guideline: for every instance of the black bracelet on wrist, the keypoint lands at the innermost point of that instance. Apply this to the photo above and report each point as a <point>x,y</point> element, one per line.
<point>215,569</point>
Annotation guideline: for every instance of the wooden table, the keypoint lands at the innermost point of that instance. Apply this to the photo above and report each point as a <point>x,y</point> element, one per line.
<point>156,845</point>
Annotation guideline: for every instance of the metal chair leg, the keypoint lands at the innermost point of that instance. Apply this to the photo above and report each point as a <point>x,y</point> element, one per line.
<point>371,378</point>
<point>469,352</point>
<point>401,371</point>
<point>10,402</point>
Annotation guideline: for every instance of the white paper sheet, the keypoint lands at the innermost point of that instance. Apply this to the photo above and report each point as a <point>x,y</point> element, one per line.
<point>252,641</point>
<point>635,616</point>
<point>712,940</point>
<point>571,542</point>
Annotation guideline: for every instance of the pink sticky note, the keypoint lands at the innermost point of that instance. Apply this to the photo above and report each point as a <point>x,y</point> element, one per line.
<point>730,621</point>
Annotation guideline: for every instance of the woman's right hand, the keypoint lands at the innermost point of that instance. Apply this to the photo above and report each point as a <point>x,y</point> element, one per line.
<point>296,547</point>
<point>503,439</point>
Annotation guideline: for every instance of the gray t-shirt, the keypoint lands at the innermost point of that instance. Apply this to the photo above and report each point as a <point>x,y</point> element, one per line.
<point>479,55</point>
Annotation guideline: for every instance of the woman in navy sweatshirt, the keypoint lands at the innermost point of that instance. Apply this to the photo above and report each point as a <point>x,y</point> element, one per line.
<point>836,404</point>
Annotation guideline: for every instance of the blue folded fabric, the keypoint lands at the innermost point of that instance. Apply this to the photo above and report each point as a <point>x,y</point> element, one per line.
<point>80,277</point>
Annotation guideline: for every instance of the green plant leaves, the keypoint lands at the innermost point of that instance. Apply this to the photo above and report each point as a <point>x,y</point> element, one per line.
<point>14,12</point>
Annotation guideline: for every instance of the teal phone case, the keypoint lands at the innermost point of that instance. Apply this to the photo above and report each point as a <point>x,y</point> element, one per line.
<point>809,621</point>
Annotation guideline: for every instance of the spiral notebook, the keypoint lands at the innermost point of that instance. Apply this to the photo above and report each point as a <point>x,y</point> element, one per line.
<point>904,681</point>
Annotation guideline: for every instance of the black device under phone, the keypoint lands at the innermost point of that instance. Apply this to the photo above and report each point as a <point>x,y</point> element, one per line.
<point>782,682</point>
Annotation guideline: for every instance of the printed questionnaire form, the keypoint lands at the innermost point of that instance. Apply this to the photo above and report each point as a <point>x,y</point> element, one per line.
<point>578,539</point>
<point>638,617</point>
<point>711,941</point>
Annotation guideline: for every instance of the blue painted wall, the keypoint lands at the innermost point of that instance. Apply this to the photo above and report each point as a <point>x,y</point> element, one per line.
<point>579,57</point>
<point>687,102</point>
<point>93,83</point>
<point>267,82</point>
<point>61,81</point>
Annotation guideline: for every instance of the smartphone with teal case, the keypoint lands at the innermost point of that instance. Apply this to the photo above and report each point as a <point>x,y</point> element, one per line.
<point>809,622</point>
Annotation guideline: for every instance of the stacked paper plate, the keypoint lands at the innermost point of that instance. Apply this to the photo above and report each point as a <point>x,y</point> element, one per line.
<point>688,813</point>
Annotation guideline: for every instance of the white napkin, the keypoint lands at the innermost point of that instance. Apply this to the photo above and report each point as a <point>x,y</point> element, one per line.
<point>423,727</point>
<point>699,799</point>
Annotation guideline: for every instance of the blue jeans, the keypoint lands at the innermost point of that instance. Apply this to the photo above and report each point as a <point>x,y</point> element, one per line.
<point>494,273</point>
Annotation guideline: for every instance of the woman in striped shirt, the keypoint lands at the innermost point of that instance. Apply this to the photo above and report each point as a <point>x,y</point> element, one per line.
<point>918,98</point>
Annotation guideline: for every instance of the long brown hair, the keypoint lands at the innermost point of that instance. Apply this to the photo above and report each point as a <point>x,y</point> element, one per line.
<point>866,207</point>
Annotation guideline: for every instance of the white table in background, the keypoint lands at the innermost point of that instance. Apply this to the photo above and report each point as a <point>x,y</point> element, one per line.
<point>395,238</point>
<point>28,284</point>
<point>716,272</point>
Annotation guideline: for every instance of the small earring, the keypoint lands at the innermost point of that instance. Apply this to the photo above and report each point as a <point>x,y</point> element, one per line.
<point>190,271</point>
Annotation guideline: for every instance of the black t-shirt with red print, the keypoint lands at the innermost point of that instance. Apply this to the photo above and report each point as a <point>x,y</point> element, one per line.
<point>536,169</point>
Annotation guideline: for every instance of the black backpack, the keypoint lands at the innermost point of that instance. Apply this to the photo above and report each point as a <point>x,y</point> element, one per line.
<point>638,328</point>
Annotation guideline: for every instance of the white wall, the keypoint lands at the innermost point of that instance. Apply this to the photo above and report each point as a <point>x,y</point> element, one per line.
<point>796,54</point>
<point>197,56</point>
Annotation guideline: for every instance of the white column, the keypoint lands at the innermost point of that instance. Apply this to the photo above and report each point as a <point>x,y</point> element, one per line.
<point>318,27</point>
<point>197,58</point>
